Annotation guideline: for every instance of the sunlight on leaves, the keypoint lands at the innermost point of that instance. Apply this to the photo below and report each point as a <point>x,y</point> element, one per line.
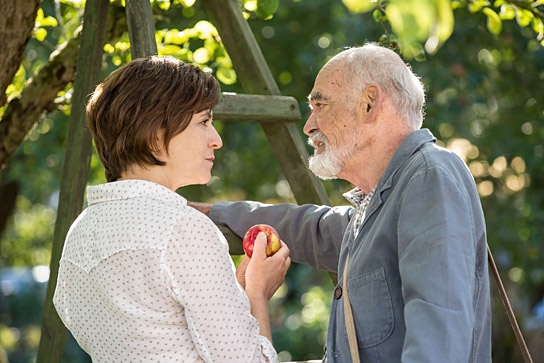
<point>206,29</point>
<point>250,5</point>
<point>42,20</point>
<point>201,56</point>
<point>477,5</point>
<point>163,4</point>
<point>174,36</point>
<point>463,148</point>
<point>74,3</point>
<point>507,12</point>
<point>108,48</point>
<point>169,49</point>
<point>187,3</point>
<point>420,22</point>
<point>40,34</point>
<point>226,75</point>
<point>8,336</point>
<point>494,22</point>
<point>524,17</point>
<point>17,84</point>
<point>264,9</point>
<point>485,188</point>
<point>361,6</point>
<point>516,274</point>
<point>427,24</point>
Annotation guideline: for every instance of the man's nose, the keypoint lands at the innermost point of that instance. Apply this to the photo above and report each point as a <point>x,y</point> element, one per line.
<point>310,126</point>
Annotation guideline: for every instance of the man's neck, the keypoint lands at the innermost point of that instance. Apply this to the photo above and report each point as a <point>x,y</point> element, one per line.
<point>365,170</point>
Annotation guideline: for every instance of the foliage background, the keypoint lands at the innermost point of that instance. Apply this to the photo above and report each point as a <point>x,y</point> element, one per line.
<point>484,101</point>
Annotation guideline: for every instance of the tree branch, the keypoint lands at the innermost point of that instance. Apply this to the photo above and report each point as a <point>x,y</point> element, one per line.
<point>15,32</point>
<point>38,95</point>
<point>529,7</point>
<point>39,92</point>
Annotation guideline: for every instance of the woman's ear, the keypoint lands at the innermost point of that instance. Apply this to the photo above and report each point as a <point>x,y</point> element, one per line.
<point>158,148</point>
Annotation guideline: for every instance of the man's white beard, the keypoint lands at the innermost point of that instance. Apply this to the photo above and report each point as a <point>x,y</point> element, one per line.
<point>328,164</point>
<point>325,165</point>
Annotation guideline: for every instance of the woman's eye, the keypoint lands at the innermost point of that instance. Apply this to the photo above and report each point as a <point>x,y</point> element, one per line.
<point>205,122</point>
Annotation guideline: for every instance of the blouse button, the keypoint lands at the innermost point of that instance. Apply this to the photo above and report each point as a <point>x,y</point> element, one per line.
<point>338,292</point>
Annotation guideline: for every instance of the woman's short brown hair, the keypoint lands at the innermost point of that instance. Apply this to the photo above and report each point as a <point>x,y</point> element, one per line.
<point>142,98</point>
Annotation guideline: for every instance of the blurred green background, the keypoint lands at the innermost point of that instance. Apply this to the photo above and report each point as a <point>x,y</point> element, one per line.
<point>485,101</point>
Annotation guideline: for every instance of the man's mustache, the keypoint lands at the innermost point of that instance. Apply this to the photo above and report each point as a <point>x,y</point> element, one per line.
<point>317,137</point>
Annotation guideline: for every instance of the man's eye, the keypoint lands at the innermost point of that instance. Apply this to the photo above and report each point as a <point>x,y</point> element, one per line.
<point>205,122</point>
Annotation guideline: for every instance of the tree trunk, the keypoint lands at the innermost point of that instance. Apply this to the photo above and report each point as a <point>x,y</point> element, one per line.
<point>16,27</point>
<point>41,90</point>
<point>38,96</point>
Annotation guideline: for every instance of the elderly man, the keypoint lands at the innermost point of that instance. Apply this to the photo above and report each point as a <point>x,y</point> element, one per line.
<point>411,254</point>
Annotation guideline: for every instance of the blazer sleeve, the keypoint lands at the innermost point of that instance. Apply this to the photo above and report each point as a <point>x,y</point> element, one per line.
<point>313,233</point>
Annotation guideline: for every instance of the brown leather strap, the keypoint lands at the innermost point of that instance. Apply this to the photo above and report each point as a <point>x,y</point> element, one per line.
<point>348,317</point>
<point>511,317</point>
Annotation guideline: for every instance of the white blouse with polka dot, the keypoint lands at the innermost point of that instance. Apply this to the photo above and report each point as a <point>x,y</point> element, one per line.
<point>145,278</point>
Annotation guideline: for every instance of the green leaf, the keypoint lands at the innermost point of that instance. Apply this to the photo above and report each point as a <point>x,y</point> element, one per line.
<point>18,82</point>
<point>187,3</point>
<point>205,29</point>
<point>524,17</point>
<point>378,16</point>
<point>75,3</point>
<point>226,75</point>
<point>477,5</point>
<point>122,45</point>
<point>457,4</point>
<point>169,49</point>
<point>42,20</point>
<point>108,48</point>
<point>266,8</point>
<point>411,20</point>
<point>444,26</point>
<point>361,6</point>
<point>494,22</point>
<point>40,34</point>
<point>201,56</point>
<point>162,4</point>
<point>507,12</point>
<point>174,36</point>
<point>538,27</point>
<point>49,21</point>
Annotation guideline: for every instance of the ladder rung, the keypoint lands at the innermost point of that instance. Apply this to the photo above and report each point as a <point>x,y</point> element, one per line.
<point>262,108</point>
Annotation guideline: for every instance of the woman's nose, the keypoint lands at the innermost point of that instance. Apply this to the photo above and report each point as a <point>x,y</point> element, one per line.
<point>215,139</point>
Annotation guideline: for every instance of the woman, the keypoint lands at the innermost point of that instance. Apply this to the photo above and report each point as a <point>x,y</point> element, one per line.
<point>143,277</point>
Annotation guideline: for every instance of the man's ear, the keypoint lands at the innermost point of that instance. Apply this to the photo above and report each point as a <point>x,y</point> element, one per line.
<point>369,100</point>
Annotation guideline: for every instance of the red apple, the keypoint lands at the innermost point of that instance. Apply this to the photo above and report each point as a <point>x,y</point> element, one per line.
<point>272,239</point>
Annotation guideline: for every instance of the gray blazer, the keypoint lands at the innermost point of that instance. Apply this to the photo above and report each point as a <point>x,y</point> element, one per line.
<point>418,280</point>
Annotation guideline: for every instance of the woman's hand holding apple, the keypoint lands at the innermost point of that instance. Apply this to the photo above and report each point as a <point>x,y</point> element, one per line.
<point>262,274</point>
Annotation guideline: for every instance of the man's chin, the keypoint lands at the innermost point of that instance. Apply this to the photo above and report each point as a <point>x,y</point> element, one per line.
<point>322,169</point>
<point>324,177</point>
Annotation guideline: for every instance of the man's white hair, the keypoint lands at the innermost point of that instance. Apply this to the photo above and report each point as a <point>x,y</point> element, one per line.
<point>375,64</point>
